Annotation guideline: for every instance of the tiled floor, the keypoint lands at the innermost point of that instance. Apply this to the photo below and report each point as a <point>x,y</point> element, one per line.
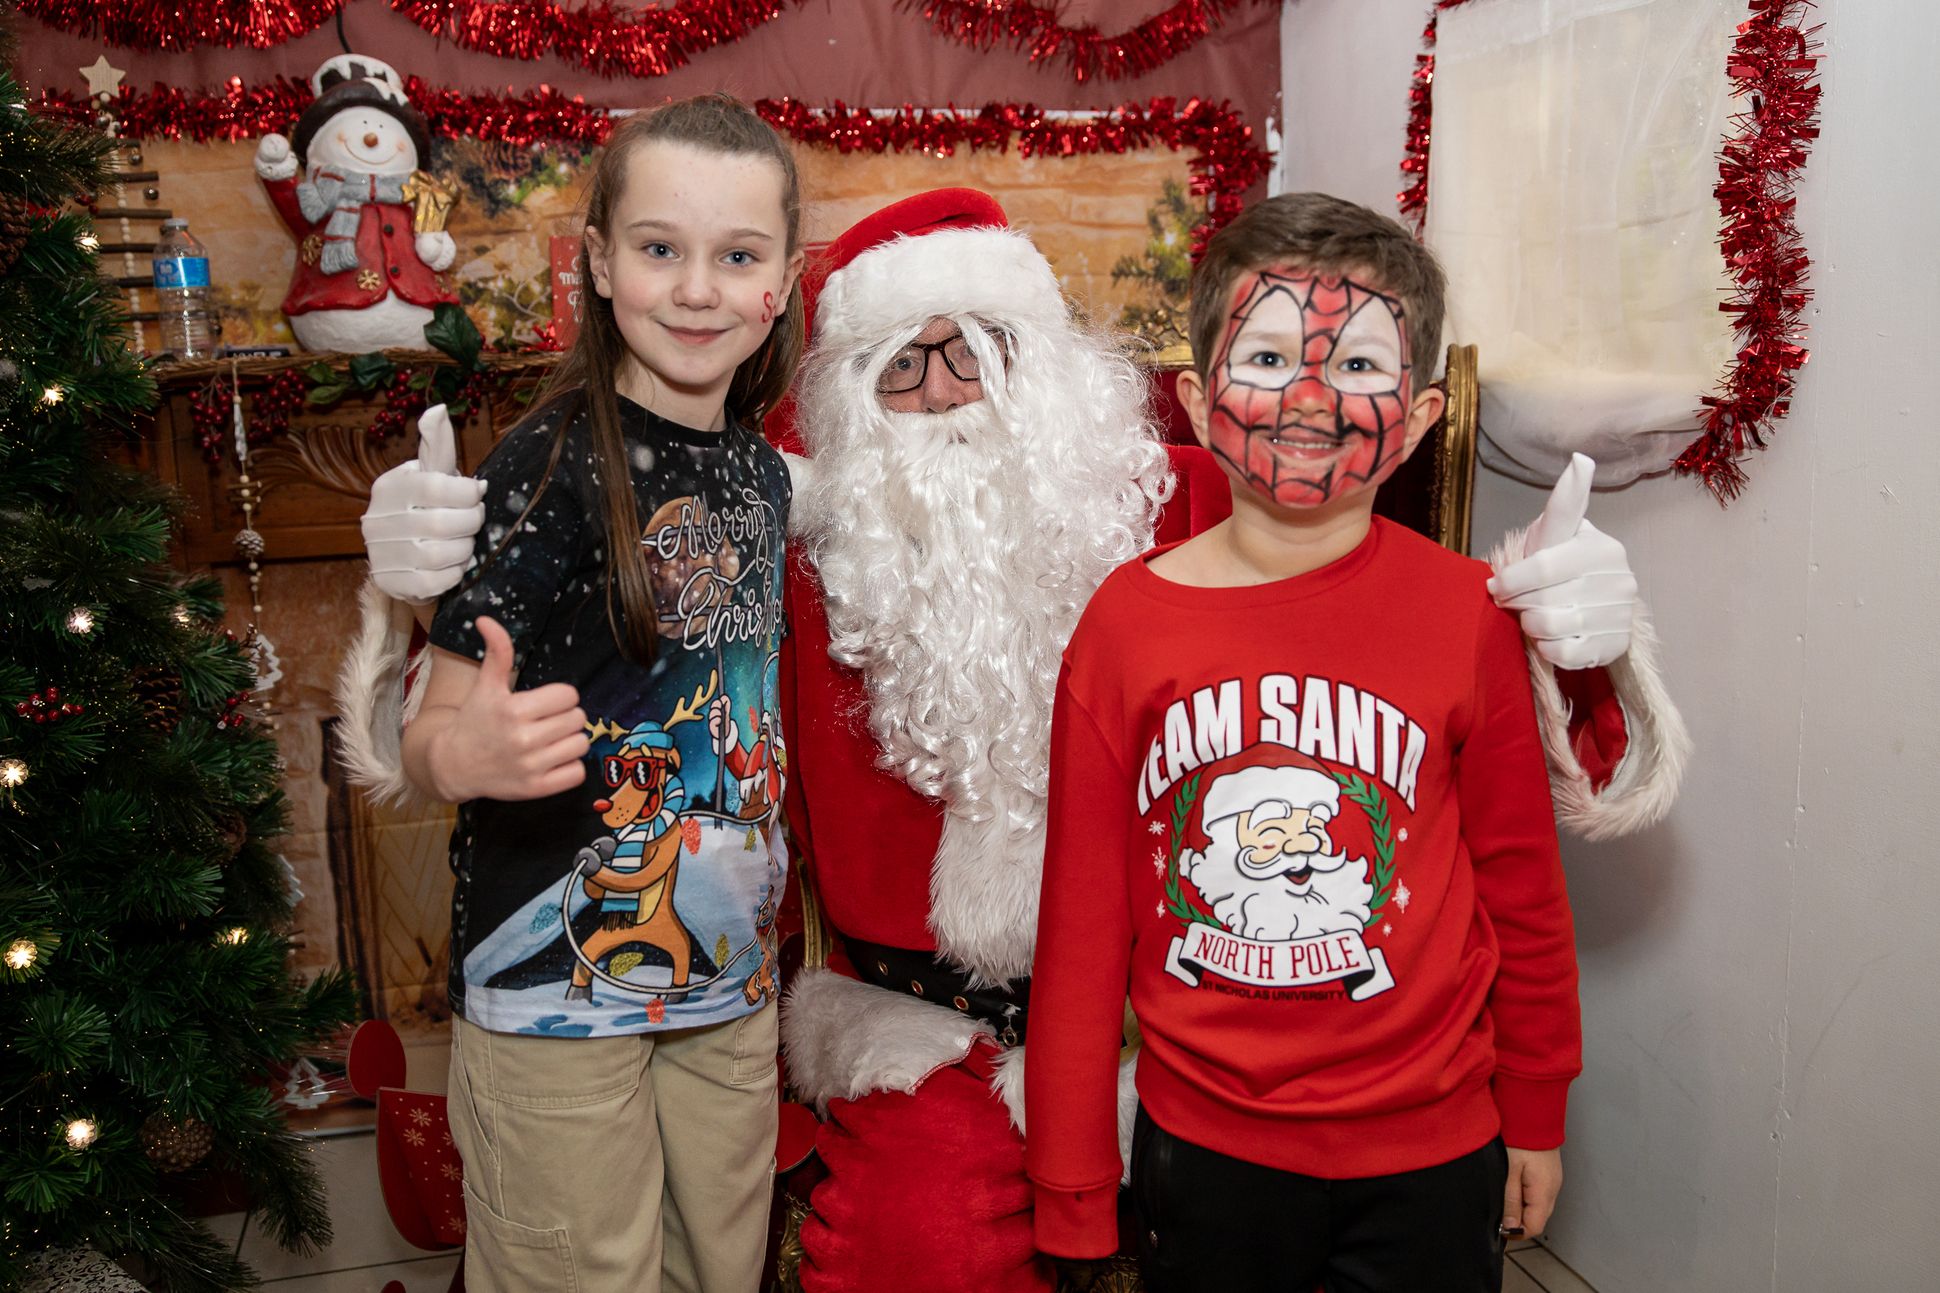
<point>367,1252</point>
<point>1531,1268</point>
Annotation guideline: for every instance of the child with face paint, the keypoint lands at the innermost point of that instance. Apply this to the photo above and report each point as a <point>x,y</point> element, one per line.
<point>1298,813</point>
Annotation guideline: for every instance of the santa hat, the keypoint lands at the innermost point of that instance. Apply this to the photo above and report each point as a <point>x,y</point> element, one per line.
<point>359,81</point>
<point>948,251</point>
<point>1298,783</point>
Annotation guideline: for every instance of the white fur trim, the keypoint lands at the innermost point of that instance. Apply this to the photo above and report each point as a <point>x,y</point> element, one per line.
<point>1644,785</point>
<point>984,889</point>
<point>842,1039</point>
<point>984,271</point>
<point>803,517</point>
<point>370,695</point>
<point>1008,1083</point>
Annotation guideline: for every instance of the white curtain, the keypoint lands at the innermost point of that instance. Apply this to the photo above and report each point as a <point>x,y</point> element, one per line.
<point>1573,154</point>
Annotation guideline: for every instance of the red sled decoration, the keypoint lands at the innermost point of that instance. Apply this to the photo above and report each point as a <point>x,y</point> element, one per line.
<point>375,1059</point>
<point>418,1169</point>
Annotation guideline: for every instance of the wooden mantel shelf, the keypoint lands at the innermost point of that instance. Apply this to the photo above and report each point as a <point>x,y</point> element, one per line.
<point>315,478</point>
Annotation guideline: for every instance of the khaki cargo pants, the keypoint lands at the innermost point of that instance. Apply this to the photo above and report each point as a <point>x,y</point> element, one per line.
<point>616,1164</point>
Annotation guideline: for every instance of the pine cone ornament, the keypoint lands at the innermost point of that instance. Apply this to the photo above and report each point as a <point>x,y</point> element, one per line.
<point>175,1146</point>
<point>16,222</point>
<point>250,544</point>
<point>161,697</point>
<point>235,833</point>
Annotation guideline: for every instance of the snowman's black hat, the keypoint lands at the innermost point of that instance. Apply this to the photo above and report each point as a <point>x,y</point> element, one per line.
<point>359,81</point>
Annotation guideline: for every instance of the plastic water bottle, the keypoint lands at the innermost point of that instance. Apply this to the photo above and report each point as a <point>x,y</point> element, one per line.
<point>182,293</point>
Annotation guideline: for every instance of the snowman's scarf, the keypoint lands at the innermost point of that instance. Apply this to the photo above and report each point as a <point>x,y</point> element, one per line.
<point>344,194</point>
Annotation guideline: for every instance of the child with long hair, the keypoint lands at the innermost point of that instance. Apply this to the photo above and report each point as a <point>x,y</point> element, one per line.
<point>613,1081</point>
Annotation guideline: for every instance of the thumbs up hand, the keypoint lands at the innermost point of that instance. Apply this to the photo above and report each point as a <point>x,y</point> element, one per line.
<point>506,744</point>
<point>1573,588</point>
<point>423,517</point>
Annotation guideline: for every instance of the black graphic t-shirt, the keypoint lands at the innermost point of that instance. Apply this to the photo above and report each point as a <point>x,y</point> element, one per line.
<point>644,898</point>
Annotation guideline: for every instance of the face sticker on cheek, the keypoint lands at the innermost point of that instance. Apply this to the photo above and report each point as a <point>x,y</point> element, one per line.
<point>1308,394</point>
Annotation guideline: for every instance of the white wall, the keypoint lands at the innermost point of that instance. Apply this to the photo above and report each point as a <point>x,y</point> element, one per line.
<point>1759,973</point>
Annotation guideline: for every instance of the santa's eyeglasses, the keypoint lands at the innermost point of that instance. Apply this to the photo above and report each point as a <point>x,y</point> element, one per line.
<point>909,367</point>
<point>646,774</point>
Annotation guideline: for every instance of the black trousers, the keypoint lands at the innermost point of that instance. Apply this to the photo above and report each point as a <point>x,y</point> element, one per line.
<point>1223,1225</point>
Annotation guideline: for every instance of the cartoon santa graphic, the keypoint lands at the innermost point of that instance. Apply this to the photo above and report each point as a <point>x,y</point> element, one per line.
<point>366,275</point>
<point>1269,870</point>
<point>1268,899</point>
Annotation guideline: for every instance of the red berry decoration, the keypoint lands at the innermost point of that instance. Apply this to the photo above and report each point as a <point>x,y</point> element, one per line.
<point>209,412</point>
<point>46,706</point>
<point>232,717</point>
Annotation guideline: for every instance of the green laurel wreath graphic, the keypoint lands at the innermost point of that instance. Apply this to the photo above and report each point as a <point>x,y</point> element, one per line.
<point>1357,789</point>
<point>1375,804</point>
<point>1176,901</point>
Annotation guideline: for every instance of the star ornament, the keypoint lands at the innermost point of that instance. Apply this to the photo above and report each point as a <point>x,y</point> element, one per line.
<point>103,80</point>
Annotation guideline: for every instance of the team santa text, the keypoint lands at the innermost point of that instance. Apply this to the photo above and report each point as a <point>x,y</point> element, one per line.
<point>1330,721</point>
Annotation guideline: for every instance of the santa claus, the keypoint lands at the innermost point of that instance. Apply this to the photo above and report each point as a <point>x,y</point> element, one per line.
<point>975,461</point>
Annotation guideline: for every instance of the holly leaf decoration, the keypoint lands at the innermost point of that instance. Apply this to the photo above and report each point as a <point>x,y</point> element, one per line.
<point>452,331</point>
<point>372,371</point>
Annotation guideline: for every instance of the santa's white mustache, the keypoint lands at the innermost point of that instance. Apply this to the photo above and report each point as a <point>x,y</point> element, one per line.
<point>1264,864</point>
<point>926,442</point>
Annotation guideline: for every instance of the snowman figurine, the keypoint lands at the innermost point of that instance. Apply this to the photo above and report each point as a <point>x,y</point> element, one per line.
<point>364,279</point>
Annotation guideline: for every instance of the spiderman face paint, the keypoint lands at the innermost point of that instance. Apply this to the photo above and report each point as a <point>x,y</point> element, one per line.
<point>1308,396</point>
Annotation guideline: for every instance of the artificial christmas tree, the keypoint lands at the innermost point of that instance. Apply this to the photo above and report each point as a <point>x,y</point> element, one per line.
<point>144,978</point>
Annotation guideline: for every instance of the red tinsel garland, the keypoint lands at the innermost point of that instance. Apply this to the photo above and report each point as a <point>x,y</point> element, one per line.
<point>1413,200</point>
<point>605,38</point>
<point>184,24</point>
<point>1773,64</point>
<point>1227,162</point>
<point>1085,52</point>
<point>614,38</point>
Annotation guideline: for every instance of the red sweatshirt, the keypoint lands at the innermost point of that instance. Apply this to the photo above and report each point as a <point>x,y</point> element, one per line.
<point>1307,826</point>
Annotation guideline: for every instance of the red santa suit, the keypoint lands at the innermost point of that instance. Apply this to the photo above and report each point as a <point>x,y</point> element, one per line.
<point>910,1039</point>
<point>757,767</point>
<point>387,258</point>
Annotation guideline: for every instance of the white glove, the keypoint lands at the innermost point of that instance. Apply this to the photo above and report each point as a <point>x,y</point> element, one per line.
<point>436,250</point>
<point>722,727</point>
<point>273,158</point>
<point>423,516</point>
<point>1573,587</point>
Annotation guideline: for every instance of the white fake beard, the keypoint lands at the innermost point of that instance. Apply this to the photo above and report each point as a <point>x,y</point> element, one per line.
<point>1336,898</point>
<point>956,551</point>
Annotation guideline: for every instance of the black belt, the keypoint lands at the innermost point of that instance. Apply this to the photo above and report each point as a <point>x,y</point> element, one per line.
<point>925,975</point>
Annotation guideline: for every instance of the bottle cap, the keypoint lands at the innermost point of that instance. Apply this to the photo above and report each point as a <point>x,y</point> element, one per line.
<point>176,222</point>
